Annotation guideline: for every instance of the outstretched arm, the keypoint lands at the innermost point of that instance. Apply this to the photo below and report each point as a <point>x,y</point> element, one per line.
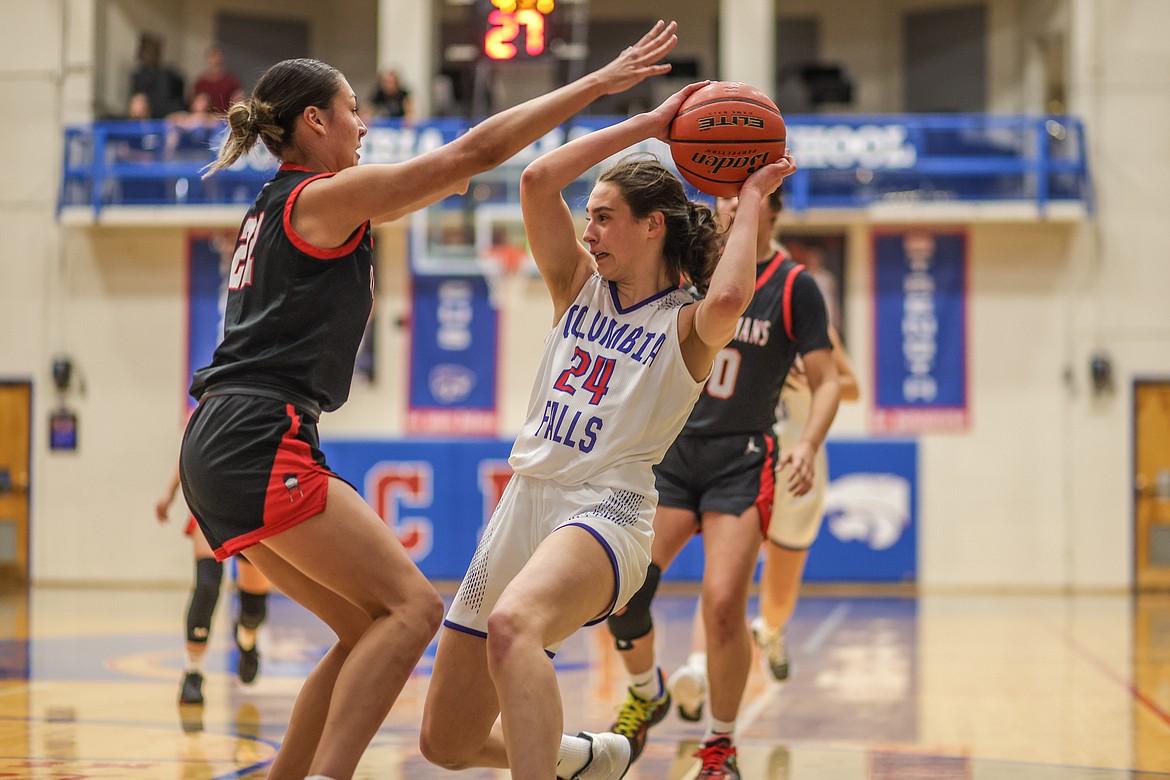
<point>563,262</point>
<point>733,283</point>
<point>329,210</point>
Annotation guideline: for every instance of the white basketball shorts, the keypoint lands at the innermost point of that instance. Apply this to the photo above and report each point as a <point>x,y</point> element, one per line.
<point>796,520</point>
<point>529,510</point>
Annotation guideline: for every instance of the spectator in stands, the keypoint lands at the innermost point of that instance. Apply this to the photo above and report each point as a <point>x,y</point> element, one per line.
<point>390,99</point>
<point>219,84</point>
<point>162,85</point>
<point>138,107</point>
<point>192,133</point>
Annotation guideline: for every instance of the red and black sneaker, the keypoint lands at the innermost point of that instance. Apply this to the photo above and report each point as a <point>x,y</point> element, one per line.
<point>718,758</point>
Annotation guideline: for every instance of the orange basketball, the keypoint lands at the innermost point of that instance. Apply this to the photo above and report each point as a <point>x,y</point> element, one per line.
<point>724,132</point>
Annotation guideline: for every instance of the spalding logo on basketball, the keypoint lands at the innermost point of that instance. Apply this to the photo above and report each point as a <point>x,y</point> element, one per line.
<point>723,133</point>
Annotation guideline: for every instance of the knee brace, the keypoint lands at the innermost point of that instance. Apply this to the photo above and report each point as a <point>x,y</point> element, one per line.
<point>635,622</point>
<point>253,609</point>
<point>205,594</point>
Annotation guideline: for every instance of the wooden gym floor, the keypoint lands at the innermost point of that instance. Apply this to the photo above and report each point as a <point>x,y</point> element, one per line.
<point>946,687</point>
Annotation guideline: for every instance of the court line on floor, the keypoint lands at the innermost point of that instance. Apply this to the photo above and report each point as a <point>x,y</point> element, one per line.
<point>827,627</point>
<point>1119,679</point>
<point>755,708</point>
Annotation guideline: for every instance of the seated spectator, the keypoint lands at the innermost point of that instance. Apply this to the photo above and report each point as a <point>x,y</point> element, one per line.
<point>192,132</point>
<point>390,99</point>
<point>162,85</point>
<point>138,107</point>
<point>199,114</point>
<point>220,84</point>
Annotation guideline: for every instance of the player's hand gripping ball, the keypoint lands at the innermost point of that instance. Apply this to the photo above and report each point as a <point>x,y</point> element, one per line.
<point>722,133</point>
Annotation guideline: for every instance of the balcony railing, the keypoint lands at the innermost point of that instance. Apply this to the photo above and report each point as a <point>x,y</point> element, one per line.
<point>847,162</point>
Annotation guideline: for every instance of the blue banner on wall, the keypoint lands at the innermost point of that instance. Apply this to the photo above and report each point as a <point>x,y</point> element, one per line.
<point>206,271</point>
<point>920,333</point>
<point>870,528</point>
<point>453,354</point>
<point>439,494</point>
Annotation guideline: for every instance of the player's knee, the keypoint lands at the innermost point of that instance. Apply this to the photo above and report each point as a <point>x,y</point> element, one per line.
<point>450,751</point>
<point>430,612</point>
<point>418,618</point>
<point>253,609</point>
<point>506,628</point>
<point>204,596</point>
<point>723,614</point>
<point>635,622</point>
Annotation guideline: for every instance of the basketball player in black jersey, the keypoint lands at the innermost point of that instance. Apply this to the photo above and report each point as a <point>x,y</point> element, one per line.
<point>718,477</point>
<point>299,294</point>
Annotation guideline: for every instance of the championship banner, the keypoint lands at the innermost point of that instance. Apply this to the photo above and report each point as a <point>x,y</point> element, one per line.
<point>207,257</point>
<point>453,357</point>
<point>920,333</point>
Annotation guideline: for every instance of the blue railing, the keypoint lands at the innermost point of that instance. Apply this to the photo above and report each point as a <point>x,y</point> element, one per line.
<point>846,161</point>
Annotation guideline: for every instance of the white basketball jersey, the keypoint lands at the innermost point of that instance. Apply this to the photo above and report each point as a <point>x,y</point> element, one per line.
<point>612,392</point>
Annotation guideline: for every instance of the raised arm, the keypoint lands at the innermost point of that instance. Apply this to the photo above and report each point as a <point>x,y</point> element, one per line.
<point>333,208</point>
<point>712,323</point>
<point>563,261</point>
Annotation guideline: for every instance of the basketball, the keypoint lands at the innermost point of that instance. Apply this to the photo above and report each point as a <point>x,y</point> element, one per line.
<point>722,134</point>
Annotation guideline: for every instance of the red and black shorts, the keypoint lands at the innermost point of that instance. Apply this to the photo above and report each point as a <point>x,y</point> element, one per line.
<point>727,474</point>
<point>251,467</point>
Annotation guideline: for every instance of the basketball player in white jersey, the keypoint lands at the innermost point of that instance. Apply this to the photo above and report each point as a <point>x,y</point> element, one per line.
<point>623,365</point>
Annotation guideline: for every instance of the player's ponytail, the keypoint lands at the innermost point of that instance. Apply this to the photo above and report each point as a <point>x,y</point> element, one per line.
<point>701,248</point>
<point>281,95</point>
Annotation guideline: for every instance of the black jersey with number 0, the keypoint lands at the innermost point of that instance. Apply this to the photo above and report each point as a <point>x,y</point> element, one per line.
<point>746,378</point>
<point>295,312</point>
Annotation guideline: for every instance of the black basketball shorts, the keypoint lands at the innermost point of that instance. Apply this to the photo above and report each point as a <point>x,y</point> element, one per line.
<point>251,467</point>
<point>726,474</point>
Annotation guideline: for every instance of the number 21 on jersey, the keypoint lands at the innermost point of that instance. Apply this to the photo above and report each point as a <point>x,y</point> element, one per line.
<point>241,270</point>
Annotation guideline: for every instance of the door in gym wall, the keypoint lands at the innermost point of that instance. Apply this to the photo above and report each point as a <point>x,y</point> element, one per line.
<point>1151,481</point>
<point>15,422</point>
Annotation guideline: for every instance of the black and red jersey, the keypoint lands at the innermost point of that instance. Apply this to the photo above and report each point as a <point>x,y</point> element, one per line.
<point>295,312</point>
<point>746,378</point>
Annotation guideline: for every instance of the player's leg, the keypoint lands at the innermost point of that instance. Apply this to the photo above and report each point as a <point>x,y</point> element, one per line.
<point>200,610</point>
<point>731,547</point>
<point>779,589</point>
<point>460,729</point>
<point>796,521</point>
<point>569,581</point>
<point>347,567</point>
<point>688,683</point>
<point>647,698</point>
<point>253,589</point>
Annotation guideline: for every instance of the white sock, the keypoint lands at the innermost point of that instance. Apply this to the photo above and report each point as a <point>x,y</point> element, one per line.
<point>317,777</point>
<point>647,685</point>
<point>768,630</point>
<point>698,662</point>
<point>574,754</point>
<point>246,637</point>
<point>719,728</point>
<point>195,663</point>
